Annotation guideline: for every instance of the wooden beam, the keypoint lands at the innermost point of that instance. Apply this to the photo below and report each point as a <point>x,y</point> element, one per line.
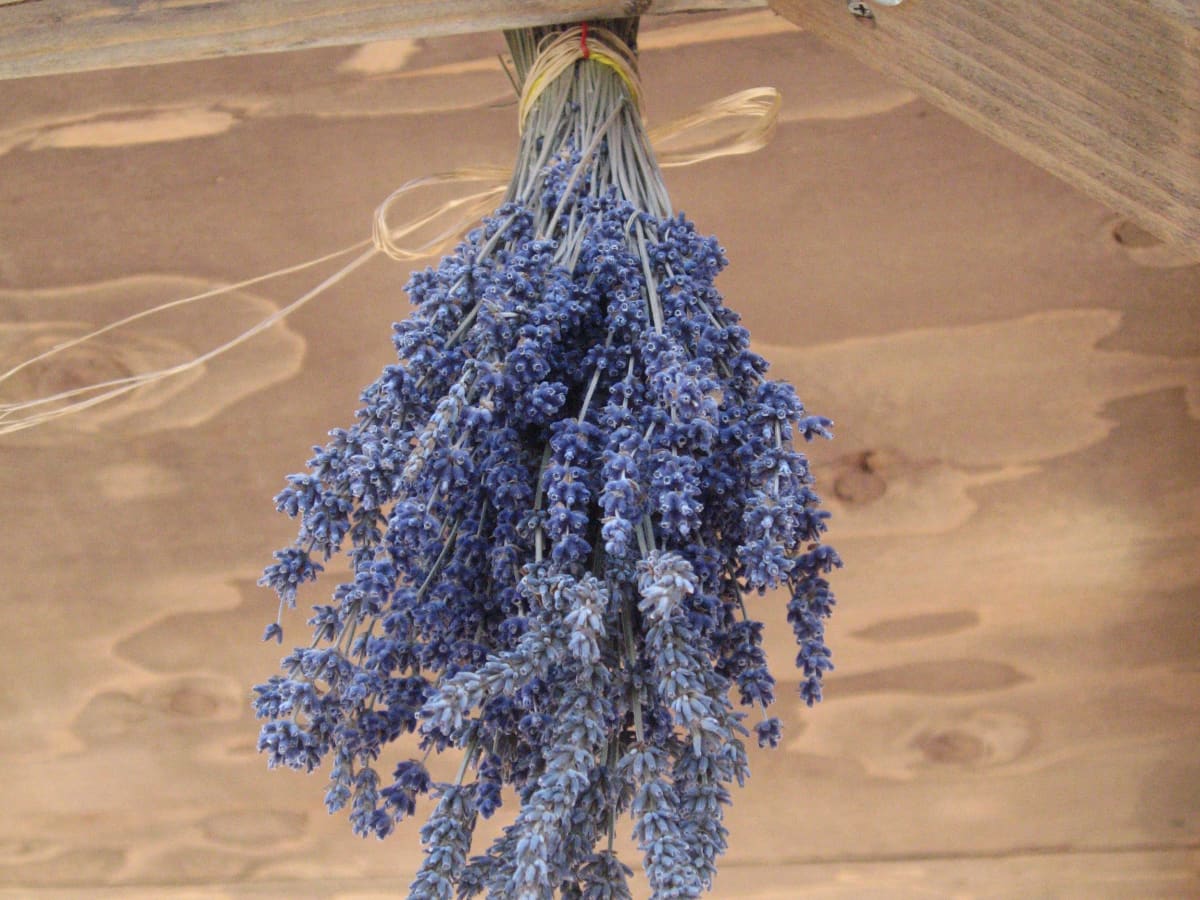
<point>50,37</point>
<point>1104,95</point>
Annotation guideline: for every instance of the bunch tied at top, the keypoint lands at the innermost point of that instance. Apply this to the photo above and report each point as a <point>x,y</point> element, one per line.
<point>553,505</point>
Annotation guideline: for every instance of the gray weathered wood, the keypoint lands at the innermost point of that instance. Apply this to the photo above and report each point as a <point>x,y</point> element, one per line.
<point>1104,95</point>
<point>55,36</point>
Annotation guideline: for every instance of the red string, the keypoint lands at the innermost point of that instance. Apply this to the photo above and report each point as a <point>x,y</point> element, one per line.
<point>583,29</point>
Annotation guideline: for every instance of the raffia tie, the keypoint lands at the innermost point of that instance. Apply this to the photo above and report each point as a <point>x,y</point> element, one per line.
<point>559,51</point>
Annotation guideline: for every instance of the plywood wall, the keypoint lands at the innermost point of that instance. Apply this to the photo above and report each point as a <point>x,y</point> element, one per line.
<point>1014,372</point>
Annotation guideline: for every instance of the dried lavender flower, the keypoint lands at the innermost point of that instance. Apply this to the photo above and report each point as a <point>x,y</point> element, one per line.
<point>553,506</point>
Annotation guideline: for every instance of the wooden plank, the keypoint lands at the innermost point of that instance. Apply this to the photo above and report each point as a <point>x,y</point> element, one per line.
<point>1016,709</point>
<point>1105,96</point>
<point>1094,876</point>
<point>56,36</point>
<point>1145,874</point>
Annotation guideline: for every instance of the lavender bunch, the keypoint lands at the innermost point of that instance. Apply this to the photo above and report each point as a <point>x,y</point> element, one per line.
<point>553,506</point>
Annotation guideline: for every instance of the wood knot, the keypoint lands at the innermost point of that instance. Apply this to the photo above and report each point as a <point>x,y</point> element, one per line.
<point>978,739</point>
<point>952,747</point>
<point>102,360</point>
<point>192,703</point>
<point>860,482</point>
<point>1128,233</point>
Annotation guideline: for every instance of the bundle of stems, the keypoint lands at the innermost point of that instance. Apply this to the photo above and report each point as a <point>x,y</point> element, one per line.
<point>554,505</point>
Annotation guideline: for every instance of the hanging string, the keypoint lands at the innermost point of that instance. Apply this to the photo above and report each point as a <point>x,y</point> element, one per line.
<point>692,134</point>
<point>387,237</point>
<point>110,390</point>
<point>701,138</point>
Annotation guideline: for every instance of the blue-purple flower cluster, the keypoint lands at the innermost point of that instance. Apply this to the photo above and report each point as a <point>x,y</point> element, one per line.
<point>553,505</point>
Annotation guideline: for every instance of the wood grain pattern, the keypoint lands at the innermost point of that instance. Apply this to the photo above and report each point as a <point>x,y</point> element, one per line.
<point>1105,96</point>
<point>56,36</point>
<point>1130,875</point>
<point>1014,373</point>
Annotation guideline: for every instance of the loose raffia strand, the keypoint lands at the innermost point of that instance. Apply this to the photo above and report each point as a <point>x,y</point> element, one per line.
<point>760,106</point>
